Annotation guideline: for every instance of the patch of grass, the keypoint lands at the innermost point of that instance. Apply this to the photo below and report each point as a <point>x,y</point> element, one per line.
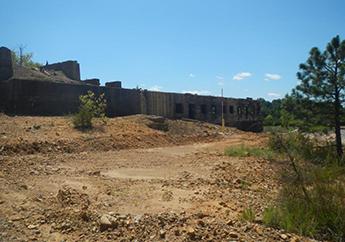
<point>292,216</point>
<point>244,184</point>
<point>246,151</point>
<point>248,215</point>
<point>312,201</point>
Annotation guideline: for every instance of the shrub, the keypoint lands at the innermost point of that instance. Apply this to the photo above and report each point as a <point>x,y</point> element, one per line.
<point>303,147</point>
<point>321,214</point>
<point>312,200</point>
<point>91,106</point>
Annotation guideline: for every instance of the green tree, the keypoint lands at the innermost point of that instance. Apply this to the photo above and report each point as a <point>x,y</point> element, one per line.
<point>91,106</point>
<point>305,114</point>
<point>268,120</point>
<point>271,109</point>
<point>323,84</point>
<point>24,59</point>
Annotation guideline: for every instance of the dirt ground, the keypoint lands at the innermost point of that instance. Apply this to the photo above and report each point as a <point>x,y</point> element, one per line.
<point>136,178</point>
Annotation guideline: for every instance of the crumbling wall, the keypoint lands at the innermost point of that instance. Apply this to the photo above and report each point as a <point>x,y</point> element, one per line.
<point>93,81</point>
<point>114,84</point>
<point>70,68</point>
<point>241,113</point>
<point>4,92</point>
<point>122,102</point>
<point>6,65</point>
<point>31,97</point>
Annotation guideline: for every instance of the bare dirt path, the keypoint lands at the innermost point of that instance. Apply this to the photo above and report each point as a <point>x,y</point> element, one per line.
<point>171,193</point>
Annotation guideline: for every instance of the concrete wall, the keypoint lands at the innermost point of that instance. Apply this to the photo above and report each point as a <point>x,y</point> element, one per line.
<point>4,92</point>
<point>242,113</point>
<point>121,102</point>
<point>44,98</point>
<point>30,97</point>
<point>6,65</point>
<point>70,68</point>
<point>93,81</point>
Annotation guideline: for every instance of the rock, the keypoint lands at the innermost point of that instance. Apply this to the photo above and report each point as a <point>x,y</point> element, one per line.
<point>16,218</point>
<point>137,218</point>
<point>258,230</point>
<point>233,235</point>
<point>201,223</point>
<point>31,226</point>
<point>191,232</point>
<point>230,222</point>
<point>24,186</point>
<point>94,173</point>
<point>105,222</point>
<point>201,215</point>
<point>283,236</point>
<point>162,234</point>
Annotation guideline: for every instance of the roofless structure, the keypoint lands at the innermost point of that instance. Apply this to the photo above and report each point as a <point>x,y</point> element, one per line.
<point>54,89</point>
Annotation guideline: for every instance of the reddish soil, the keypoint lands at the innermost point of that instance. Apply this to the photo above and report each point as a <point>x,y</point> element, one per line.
<point>135,178</point>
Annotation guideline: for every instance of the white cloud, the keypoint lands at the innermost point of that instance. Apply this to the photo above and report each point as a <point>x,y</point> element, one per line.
<point>273,95</point>
<point>155,88</point>
<point>220,77</point>
<point>198,92</point>
<point>241,76</point>
<point>191,75</point>
<point>272,77</point>
<point>220,83</point>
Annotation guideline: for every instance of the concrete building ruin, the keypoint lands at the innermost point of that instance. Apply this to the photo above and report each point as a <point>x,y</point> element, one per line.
<point>55,89</point>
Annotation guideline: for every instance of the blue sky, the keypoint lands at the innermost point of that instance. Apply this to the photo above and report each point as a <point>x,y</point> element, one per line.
<point>250,48</point>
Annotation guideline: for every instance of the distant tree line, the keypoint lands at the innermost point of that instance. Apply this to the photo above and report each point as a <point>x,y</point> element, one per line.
<point>271,111</point>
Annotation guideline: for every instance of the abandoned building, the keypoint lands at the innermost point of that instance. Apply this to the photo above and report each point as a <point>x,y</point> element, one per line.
<point>54,89</point>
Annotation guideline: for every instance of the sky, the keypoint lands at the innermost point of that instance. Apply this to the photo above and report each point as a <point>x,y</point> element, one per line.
<point>250,48</point>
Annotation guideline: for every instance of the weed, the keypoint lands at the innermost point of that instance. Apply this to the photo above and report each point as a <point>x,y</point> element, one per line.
<point>312,199</point>
<point>248,215</point>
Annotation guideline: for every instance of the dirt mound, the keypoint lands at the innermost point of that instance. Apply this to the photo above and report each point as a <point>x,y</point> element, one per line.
<point>69,189</point>
<point>30,135</point>
<point>34,73</point>
<point>68,196</point>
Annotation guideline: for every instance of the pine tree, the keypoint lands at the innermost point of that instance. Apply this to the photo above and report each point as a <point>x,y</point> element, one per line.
<point>323,82</point>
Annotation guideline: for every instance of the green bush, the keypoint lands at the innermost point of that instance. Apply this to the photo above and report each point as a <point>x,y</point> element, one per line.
<point>91,106</point>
